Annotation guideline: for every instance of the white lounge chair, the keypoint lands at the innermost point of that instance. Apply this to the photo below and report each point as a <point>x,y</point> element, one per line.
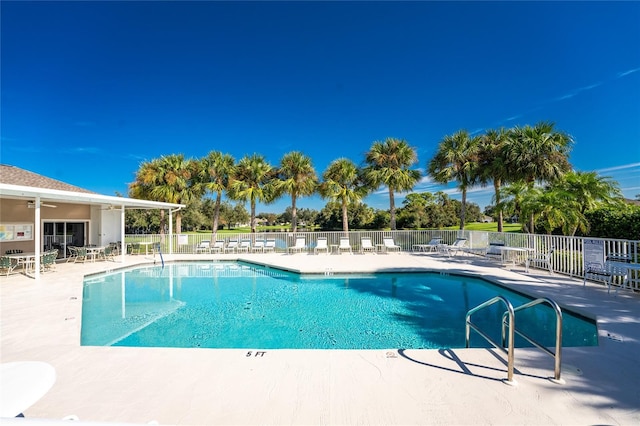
<point>258,246</point>
<point>389,245</point>
<point>613,267</point>
<point>432,245</point>
<point>203,247</point>
<point>232,246</point>
<point>451,249</point>
<point>245,246</point>
<point>218,246</point>
<point>270,245</point>
<point>344,245</point>
<point>300,245</point>
<point>366,245</point>
<point>321,245</point>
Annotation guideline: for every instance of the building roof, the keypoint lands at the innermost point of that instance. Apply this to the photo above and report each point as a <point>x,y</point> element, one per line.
<point>18,183</point>
<point>13,175</point>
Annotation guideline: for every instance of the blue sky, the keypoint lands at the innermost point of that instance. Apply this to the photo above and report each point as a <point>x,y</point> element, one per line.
<point>89,90</point>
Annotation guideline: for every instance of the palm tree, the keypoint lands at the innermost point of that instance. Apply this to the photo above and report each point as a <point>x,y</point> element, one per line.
<point>388,164</point>
<point>492,167</point>
<point>589,189</point>
<point>538,153</point>
<point>457,159</point>
<point>253,182</point>
<point>216,171</point>
<point>298,178</point>
<point>342,182</point>
<point>168,179</point>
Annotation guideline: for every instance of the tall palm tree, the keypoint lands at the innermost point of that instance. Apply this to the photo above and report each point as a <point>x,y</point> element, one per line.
<point>253,182</point>
<point>168,179</point>
<point>298,178</point>
<point>388,164</point>
<point>492,165</point>
<point>538,154</point>
<point>216,172</point>
<point>342,182</point>
<point>457,159</point>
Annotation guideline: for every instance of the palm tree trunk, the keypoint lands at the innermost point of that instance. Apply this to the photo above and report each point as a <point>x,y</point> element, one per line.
<point>162,223</point>
<point>294,214</point>
<point>253,215</point>
<point>216,217</point>
<point>178,222</point>
<point>496,186</point>
<point>463,208</point>
<point>392,209</point>
<point>345,216</point>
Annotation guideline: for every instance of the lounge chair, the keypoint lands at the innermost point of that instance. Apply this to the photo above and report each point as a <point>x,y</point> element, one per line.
<point>345,245</point>
<point>245,246</point>
<point>300,245</point>
<point>270,245</point>
<point>258,246</point>
<point>389,245</point>
<point>366,245</point>
<point>232,246</point>
<point>218,246</point>
<point>432,245</point>
<point>540,260</point>
<point>451,249</point>
<point>7,265</point>
<point>321,245</point>
<point>203,247</point>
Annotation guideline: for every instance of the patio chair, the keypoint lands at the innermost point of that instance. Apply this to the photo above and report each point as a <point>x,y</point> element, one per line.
<point>48,260</point>
<point>218,246</point>
<point>270,245</point>
<point>7,265</point>
<point>321,245</point>
<point>613,267</point>
<point>109,253</point>
<point>81,255</point>
<point>73,253</point>
<point>232,246</point>
<point>135,249</point>
<point>389,245</point>
<point>493,251</point>
<point>203,247</point>
<point>258,246</point>
<point>345,245</point>
<point>366,245</point>
<point>299,246</point>
<point>540,260</point>
<point>451,249</point>
<point>432,245</point>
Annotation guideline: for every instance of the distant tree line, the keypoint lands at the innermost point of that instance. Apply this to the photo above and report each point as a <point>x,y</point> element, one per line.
<point>527,166</point>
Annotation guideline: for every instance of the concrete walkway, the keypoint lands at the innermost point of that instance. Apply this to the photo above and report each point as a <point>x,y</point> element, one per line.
<point>41,322</point>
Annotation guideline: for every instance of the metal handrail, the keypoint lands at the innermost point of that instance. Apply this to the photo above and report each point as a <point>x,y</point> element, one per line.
<point>558,352</point>
<point>510,348</point>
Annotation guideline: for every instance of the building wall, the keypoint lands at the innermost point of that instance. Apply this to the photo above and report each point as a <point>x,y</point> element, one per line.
<point>17,211</point>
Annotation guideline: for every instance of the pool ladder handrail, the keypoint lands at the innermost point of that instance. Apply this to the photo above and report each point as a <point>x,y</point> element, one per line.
<point>510,314</point>
<point>557,355</point>
<point>510,344</point>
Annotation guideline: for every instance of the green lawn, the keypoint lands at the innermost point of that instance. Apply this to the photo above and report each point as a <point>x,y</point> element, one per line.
<point>489,227</point>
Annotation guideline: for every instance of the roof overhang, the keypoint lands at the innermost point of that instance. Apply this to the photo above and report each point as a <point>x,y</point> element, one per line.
<point>55,195</point>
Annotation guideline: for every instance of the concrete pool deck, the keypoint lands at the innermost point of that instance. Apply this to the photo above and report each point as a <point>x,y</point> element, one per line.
<point>41,322</point>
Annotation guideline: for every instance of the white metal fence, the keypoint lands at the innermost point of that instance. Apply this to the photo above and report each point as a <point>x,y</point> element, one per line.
<point>567,257</point>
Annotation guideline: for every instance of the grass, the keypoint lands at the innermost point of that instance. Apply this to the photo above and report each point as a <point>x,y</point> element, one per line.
<point>489,227</point>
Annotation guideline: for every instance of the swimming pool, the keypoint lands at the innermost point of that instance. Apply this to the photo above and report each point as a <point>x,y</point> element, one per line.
<point>241,305</point>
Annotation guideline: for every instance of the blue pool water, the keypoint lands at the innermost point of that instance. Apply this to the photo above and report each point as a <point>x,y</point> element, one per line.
<point>239,305</point>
